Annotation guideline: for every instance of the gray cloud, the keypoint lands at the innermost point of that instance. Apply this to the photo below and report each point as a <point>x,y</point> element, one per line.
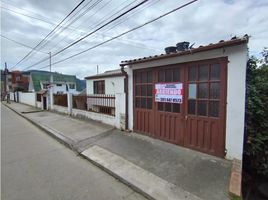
<point>201,23</point>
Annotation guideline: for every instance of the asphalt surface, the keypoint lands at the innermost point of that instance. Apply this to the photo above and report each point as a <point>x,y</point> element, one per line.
<point>35,166</point>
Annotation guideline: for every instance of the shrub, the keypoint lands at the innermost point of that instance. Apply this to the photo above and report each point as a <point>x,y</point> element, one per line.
<point>256,126</point>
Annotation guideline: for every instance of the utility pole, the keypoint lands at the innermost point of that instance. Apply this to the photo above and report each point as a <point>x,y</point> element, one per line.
<point>97,69</point>
<point>5,81</point>
<point>50,83</point>
<point>49,61</point>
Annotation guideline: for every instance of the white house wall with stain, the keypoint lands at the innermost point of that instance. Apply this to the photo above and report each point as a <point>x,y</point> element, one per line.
<point>210,118</point>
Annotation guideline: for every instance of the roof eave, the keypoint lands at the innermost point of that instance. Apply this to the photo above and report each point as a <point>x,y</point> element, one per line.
<point>104,76</point>
<point>191,51</point>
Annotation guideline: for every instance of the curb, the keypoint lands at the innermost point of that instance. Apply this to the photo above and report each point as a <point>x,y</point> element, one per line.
<point>66,142</point>
<point>236,178</point>
<point>119,178</point>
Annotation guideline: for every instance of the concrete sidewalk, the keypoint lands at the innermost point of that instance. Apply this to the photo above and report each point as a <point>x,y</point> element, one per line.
<point>156,169</point>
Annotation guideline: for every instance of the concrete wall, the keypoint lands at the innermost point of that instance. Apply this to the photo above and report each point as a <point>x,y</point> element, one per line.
<point>60,109</point>
<point>236,76</point>
<point>113,85</point>
<point>39,104</point>
<point>27,98</point>
<point>116,121</point>
<point>12,96</point>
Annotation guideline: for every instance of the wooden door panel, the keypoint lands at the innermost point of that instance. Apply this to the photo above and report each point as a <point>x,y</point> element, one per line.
<point>143,122</point>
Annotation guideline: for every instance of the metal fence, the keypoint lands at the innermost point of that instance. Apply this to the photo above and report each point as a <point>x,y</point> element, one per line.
<point>95,103</point>
<point>60,100</point>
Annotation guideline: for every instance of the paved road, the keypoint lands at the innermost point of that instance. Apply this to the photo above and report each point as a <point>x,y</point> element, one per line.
<point>35,166</point>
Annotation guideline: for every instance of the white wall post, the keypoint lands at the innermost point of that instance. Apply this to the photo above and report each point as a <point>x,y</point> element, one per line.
<point>70,103</point>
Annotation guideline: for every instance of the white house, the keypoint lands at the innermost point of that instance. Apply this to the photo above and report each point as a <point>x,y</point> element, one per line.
<point>109,82</point>
<point>47,84</point>
<point>105,98</point>
<point>207,114</point>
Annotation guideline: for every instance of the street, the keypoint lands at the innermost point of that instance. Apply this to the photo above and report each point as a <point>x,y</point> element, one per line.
<point>35,166</point>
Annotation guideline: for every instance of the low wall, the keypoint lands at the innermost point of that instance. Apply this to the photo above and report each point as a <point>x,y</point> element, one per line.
<point>12,96</point>
<point>60,109</point>
<point>27,98</point>
<point>39,104</point>
<point>107,119</point>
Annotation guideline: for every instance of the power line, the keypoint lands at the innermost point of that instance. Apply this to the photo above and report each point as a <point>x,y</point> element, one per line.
<point>124,33</point>
<point>74,20</point>
<point>48,34</point>
<point>109,22</point>
<point>81,23</point>
<point>137,11</point>
<point>26,15</point>
<point>24,45</point>
<point>114,19</point>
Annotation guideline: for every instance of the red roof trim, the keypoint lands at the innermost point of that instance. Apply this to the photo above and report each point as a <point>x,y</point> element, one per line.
<point>233,42</point>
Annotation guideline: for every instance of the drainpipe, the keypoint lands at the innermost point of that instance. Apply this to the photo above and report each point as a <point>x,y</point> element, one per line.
<point>126,99</point>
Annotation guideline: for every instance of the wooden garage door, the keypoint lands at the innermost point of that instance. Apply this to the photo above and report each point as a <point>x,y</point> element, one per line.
<point>199,122</point>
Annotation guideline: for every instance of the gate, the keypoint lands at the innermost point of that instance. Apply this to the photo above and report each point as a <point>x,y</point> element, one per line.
<point>199,122</point>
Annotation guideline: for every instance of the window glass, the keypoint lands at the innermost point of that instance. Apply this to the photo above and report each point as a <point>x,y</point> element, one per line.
<point>168,107</point>
<point>149,103</point>
<point>168,75</point>
<point>59,85</point>
<point>202,108</point>
<point>192,73</point>
<point>138,77</point>
<point>99,87</point>
<point>143,90</point>
<point>192,91</point>
<point>72,86</point>
<point>176,108</point>
<point>143,102</point>
<point>160,106</point>
<point>191,106</point>
<point>203,73</point>
<point>144,77</point>
<point>161,76</point>
<point>214,90</point>
<point>138,103</point>
<point>213,110</point>
<point>176,75</point>
<point>202,90</point>
<point>149,77</point>
<point>138,90</point>
<point>215,72</point>
<point>149,90</point>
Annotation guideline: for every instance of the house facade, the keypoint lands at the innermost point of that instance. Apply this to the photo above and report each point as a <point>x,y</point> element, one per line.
<point>109,82</point>
<point>105,96</point>
<point>46,85</point>
<point>208,115</point>
<point>60,83</point>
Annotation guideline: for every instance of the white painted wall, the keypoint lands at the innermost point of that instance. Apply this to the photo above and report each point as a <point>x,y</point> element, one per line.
<point>236,78</point>
<point>11,96</point>
<point>113,85</point>
<point>60,109</point>
<point>28,98</point>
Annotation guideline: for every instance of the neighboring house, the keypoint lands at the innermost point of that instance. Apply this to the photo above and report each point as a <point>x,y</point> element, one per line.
<point>61,84</point>
<point>105,86</point>
<point>46,83</point>
<point>209,117</point>
<point>109,82</point>
<point>17,81</point>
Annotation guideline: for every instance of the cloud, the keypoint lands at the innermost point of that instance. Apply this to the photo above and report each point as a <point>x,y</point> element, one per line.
<point>201,23</point>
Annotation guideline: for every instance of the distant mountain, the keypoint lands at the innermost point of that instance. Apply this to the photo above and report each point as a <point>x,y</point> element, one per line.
<point>81,84</point>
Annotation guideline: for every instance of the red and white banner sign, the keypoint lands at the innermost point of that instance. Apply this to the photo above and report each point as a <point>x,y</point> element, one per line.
<point>168,92</point>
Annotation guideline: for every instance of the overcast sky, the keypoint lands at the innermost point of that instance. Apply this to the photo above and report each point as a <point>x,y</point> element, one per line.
<point>203,22</point>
